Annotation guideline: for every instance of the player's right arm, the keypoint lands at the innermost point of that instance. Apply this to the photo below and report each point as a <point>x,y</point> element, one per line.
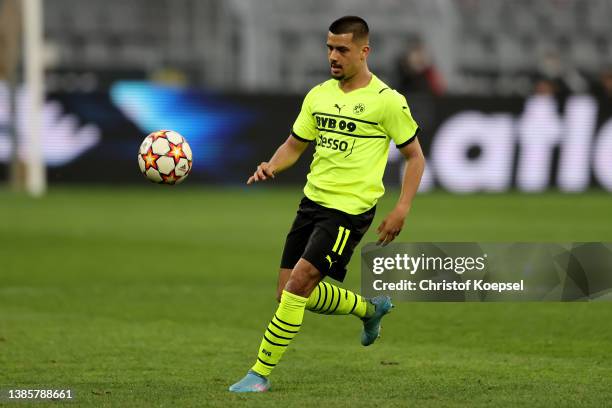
<point>303,132</point>
<point>284,157</point>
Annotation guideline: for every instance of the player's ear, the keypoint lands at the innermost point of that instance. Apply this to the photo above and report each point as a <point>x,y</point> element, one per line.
<point>365,51</point>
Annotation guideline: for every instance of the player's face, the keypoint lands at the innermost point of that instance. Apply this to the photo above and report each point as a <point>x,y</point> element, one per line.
<point>345,57</point>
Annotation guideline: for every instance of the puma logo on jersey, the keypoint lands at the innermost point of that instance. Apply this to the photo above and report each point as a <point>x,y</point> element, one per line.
<point>339,107</point>
<point>328,259</point>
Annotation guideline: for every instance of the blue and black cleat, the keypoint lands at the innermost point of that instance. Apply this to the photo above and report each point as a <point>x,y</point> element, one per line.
<point>371,325</point>
<point>252,382</point>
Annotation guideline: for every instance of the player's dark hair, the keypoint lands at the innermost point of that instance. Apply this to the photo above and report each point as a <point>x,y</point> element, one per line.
<point>350,24</point>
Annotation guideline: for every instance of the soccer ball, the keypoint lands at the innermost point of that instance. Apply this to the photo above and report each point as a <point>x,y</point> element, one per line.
<point>164,157</point>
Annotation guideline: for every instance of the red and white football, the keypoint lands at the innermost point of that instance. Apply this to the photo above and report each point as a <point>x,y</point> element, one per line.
<point>164,157</point>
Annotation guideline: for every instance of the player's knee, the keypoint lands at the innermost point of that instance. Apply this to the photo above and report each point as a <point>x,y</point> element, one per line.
<point>297,288</point>
<point>303,279</point>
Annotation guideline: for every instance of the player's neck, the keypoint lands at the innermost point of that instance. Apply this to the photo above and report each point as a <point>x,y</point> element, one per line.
<point>359,80</point>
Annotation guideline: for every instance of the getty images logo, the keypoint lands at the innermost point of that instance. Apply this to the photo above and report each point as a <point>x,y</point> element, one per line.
<point>412,264</point>
<point>63,138</point>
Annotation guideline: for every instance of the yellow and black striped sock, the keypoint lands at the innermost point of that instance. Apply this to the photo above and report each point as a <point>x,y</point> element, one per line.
<point>330,299</point>
<point>282,329</point>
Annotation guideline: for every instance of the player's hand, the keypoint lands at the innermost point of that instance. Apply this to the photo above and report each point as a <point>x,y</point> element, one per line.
<point>263,172</point>
<point>390,227</point>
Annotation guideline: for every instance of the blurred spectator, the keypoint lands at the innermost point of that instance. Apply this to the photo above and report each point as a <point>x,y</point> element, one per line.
<point>603,89</point>
<point>565,78</point>
<point>545,86</point>
<point>548,87</point>
<point>416,72</point>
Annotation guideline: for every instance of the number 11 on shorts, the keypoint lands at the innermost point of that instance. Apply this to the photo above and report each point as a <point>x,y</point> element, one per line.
<point>341,231</point>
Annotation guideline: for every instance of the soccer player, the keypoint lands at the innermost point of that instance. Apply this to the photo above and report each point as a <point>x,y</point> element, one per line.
<point>351,119</point>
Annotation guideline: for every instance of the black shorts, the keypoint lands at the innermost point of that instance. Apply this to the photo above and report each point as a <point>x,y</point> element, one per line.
<point>324,237</point>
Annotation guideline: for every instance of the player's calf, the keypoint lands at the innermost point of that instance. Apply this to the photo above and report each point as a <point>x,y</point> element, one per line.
<point>330,299</point>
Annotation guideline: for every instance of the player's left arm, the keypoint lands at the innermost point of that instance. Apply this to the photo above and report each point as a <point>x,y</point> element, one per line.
<point>393,223</point>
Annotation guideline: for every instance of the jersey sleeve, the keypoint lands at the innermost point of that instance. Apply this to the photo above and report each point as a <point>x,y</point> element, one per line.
<point>305,128</point>
<point>398,122</point>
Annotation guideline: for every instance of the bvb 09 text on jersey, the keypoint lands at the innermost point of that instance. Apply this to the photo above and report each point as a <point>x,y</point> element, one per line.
<point>331,123</point>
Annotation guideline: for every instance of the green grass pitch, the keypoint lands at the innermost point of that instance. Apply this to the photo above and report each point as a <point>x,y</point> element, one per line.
<point>158,296</point>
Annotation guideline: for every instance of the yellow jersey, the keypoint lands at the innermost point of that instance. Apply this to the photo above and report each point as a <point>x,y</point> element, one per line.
<point>352,132</point>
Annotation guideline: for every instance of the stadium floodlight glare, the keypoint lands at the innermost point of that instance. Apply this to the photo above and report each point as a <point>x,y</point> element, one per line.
<point>34,85</point>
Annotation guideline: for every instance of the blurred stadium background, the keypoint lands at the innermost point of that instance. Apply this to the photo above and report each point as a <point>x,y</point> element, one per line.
<point>513,96</point>
<point>508,93</point>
